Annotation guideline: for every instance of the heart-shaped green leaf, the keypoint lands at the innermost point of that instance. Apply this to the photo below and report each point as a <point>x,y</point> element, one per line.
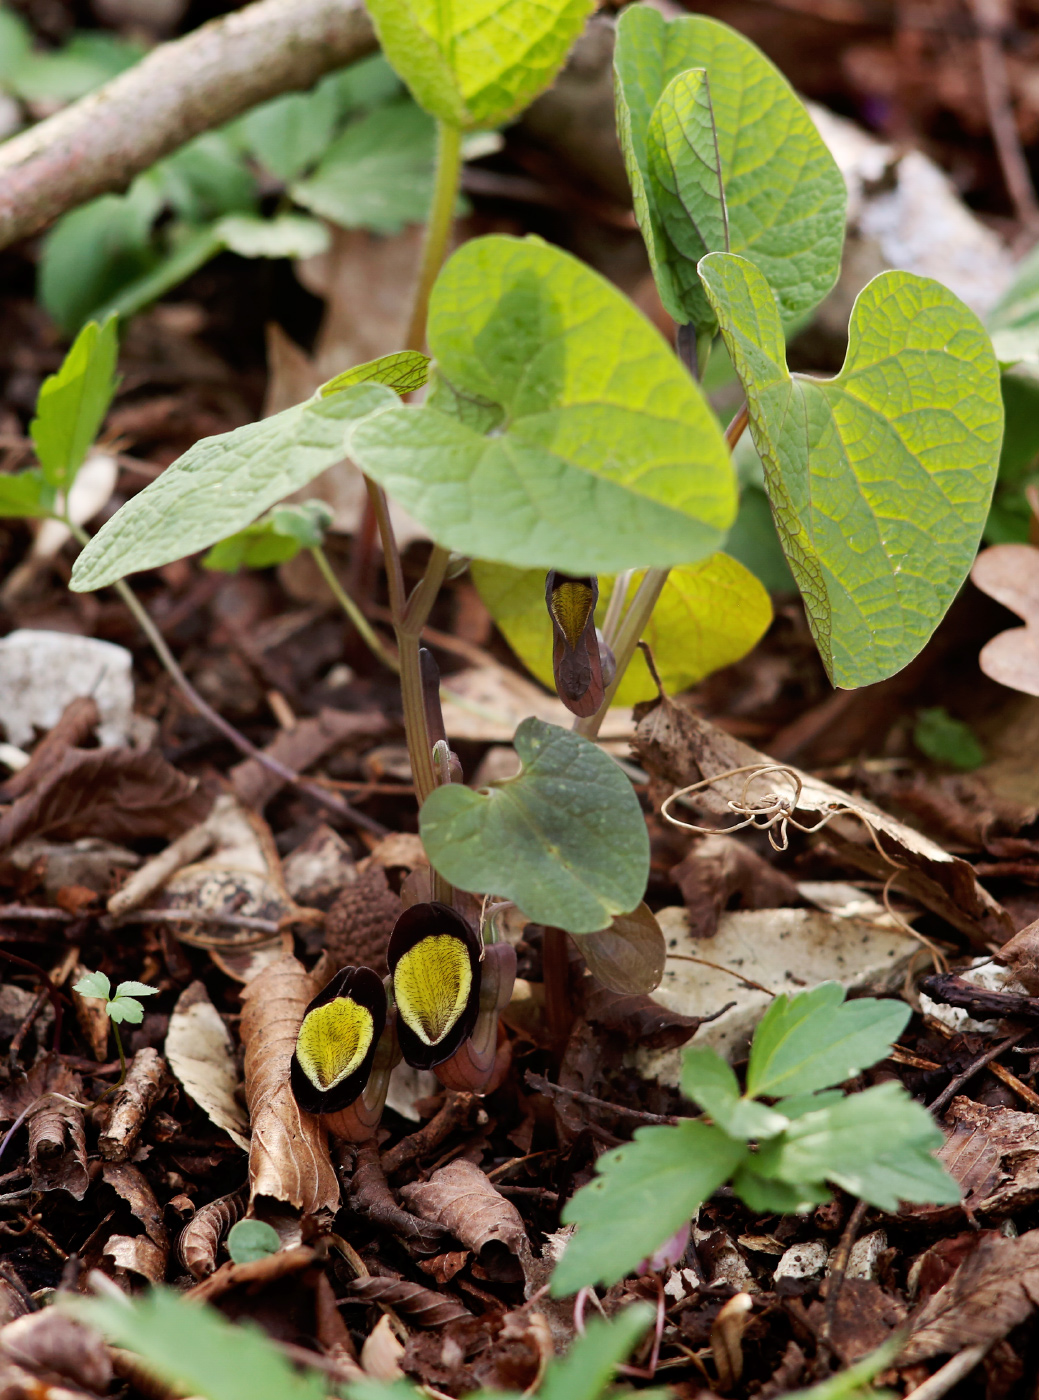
<point>565,839</point>
<point>223,483</point>
<point>708,616</point>
<point>477,62</point>
<point>880,479</point>
<point>561,431</point>
<point>784,198</point>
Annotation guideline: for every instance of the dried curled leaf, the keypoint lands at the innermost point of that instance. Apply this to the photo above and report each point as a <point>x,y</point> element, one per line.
<point>57,1142</point>
<point>137,1254</point>
<point>419,1305</point>
<point>1010,574</point>
<point>50,1341</point>
<point>200,1238</point>
<point>638,1018</point>
<point>131,1183</point>
<point>370,1196</point>
<point>288,1150</point>
<point>460,1198</point>
<point>201,1055</point>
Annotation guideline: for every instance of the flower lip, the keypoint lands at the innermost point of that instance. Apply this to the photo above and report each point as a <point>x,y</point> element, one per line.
<point>337,1039</point>
<point>434,961</point>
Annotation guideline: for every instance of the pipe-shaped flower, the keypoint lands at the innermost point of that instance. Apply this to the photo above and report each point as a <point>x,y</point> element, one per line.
<point>434,962</point>
<point>582,663</point>
<point>337,1040</point>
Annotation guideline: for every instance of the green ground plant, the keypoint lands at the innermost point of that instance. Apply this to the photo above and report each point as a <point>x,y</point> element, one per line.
<point>121,1005</point>
<point>562,434</point>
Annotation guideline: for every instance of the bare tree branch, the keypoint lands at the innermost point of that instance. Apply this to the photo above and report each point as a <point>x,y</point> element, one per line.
<point>180,89</point>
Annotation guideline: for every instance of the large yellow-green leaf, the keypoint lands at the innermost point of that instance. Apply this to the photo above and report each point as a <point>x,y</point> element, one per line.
<point>477,62</point>
<point>880,479</point>
<point>561,432</point>
<point>708,616</point>
<point>783,196</point>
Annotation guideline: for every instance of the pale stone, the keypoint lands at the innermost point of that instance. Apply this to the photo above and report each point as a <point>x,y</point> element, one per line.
<point>803,1260</point>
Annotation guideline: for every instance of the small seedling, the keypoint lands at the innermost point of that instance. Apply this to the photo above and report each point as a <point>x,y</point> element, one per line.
<point>123,1006</point>
<point>250,1240</point>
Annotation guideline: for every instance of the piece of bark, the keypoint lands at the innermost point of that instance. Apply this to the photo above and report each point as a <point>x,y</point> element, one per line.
<point>299,747</point>
<point>92,1017</point>
<point>950,990</point>
<point>114,794</point>
<point>147,1080</point>
<point>137,1254</point>
<point>288,1149</point>
<point>180,89</point>
<point>993,1290</point>
<point>359,923</point>
<point>201,1055</point>
<point>370,1196</point>
<point>455,1113</point>
<point>132,1185</point>
<point>199,1241</point>
<point>50,1341</point>
<point>678,749</point>
<point>257,1272</point>
<point>461,1199</point>
<point>78,721</point>
<point>57,1138</point>
<point>717,869</point>
<point>419,1305</point>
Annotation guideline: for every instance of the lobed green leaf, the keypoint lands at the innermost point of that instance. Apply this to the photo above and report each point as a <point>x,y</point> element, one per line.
<point>880,479</point>
<point>560,432</point>
<point>94,984</point>
<point>576,840</point>
<point>73,402</point>
<point>642,1193</point>
<point>711,1082</point>
<point>783,198</point>
<point>136,989</point>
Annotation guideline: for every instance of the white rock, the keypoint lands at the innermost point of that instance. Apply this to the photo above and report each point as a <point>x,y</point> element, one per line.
<point>803,1260</point>
<point>40,672</point>
<point>862,1260</point>
<point>785,950</point>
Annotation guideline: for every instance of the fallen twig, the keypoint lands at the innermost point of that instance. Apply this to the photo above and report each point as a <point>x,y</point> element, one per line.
<point>545,1086</point>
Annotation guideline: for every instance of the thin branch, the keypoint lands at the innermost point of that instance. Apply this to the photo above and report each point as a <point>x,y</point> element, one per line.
<point>637,1115</point>
<point>176,92</point>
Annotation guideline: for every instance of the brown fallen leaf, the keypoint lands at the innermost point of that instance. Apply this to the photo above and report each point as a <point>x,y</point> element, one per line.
<point>256,1273</point>
<point>307,741</point>
<point>130,1182</point>
<point>628,956</point>
<point>136,1254</point>
<point>147,1079</point>
<point>57,1138</point>
<point>78,721</point>
<point>92,1017</point>
<point>381,1353</point>
<point>994,1154</point>
<point>638,1018</point>
<point>495,1352</point>
<point>716,870</point>
<point>50,1341</point>
<point>460,1198</point>
<point>419,1305</point>
<point>199,1241</point>
<point>201,1055</point>
<point>370,1196</point>
<point>1010,574</point>
<point>288,1149</point>
<point>117,794</point>
<point>679,748</point>
<point>864,1317</point>
<point>1021,955</point>
<point>993,1290</point>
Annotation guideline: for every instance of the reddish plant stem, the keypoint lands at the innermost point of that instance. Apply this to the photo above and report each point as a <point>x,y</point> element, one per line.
<point>555,963</point>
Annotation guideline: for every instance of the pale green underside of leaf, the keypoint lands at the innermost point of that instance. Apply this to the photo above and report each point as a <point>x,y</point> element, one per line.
<point>709,615</point>
<point>880,479</point>
<point>784,195</point>
<point>284,236</point>
<point>642,1193</point>
<point>223,483</point>
<point>817,1039</point>
<point>477,62</point>
<point>565,839</point>
<point>561,430</point>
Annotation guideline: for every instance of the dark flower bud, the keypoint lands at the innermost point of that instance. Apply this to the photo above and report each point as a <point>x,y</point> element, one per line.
<point>434,962</point>
<point>577,661</point>
<point>337,1041</point>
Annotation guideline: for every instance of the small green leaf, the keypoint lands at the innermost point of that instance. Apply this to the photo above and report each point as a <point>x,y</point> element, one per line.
<point>947,740</point>
<point>250,1240</point>
<point>25,494</point>
<point>816,1039</point>
<point>799,1104</point>
<point>767,1197</point>
<point>290,133</point>
<point>589,1365</point>
<point>473,64</point>
<point>876,1145</point>
<point>192,1347</point>
<point>73,402</point>
<point>284,236</point>
<point>880,479</point>
<point>84,63</point>
<point>711,1083</point>
<point>403,371</point>
<point>570,823</point>
<point>222,484</point>
<point>136,989</point>
<point>855,1382</point>
<point>561,431</point>
<point>784,196</point>
<point>125,1009</point>
<point>642,1193</point>
<point>276,537</point>
<point>378,174</point>
<point>207,178</point>
<point>94,984</point>
<point>708,616</point>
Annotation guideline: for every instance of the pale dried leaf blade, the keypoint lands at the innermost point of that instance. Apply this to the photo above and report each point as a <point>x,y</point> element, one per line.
<point>993,1290</point>
<point>200,1238</point>
<point>288,1150</point>
<point>1010,574</point>
<point>201,1055</point>
<point>460,1198</point>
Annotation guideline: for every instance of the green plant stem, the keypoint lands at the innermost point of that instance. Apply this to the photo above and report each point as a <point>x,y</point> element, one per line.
<point>438,227</point>
<point>122,1059</point>
<point>368,634</point>
<point>328,799</point>
<point>624,636</point>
